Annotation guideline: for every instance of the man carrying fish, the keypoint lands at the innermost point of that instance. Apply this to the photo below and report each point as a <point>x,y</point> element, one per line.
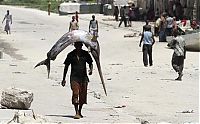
<point>78,78</point>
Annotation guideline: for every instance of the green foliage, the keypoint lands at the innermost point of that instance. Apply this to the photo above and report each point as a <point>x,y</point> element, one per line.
<point>40,4</point>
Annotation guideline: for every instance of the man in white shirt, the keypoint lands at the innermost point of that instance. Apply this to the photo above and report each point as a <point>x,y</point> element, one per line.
<point>169,25</point>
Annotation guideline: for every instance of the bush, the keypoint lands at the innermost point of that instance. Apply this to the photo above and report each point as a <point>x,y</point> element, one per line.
<point>40,4</point>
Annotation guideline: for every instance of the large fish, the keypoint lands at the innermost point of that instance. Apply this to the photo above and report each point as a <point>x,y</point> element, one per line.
<point>69,38</point>
<point>192,42</point>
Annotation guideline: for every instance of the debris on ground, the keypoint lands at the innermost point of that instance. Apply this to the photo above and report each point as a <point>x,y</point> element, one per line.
<point>22,118</point>
<point>15,98</point>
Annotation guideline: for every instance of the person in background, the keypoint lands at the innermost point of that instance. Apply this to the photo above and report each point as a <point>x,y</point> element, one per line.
<point>148,42</point>
<point>179,11</point>
<point>8,18</point>
<point>131,16</point>
<point>169,23</point>
<point>49,7</point>
<point>156,28</point>
<point>178,44</point>
<point>162,30</point>
<point>194,24</point>
<point>73,24</point>
<point>78,78</point>
<point>93,26</point>
<point>76,16</point>
<point>116,13</point>
<point>123,15</point>
<point>175,26</point>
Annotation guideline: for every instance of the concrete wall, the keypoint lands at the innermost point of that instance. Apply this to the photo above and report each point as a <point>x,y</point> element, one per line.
<point>163,5</point>
<point>83,9</point>
<point>160,4</point>
<point>92,8</point>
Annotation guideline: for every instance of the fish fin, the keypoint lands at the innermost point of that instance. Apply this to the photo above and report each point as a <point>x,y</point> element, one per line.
<point>41,63</point>
<point>45,62</point>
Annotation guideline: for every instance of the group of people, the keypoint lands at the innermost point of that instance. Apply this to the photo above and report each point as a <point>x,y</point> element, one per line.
<point>93,25</point>
<point>78,58</point>
<point>127,14</point>
<point>177,43</point>
<point>166,24</point>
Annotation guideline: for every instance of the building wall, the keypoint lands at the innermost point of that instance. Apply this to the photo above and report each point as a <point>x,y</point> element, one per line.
<point>198,9</point>
<point>163,5</point>
<point>142,4</point>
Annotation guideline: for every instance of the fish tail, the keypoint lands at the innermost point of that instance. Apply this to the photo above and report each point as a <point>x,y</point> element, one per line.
<point>45,62</point>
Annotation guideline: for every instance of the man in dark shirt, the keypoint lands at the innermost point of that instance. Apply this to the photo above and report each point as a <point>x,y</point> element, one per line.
<point>78,78</point>
<point>123,15</point>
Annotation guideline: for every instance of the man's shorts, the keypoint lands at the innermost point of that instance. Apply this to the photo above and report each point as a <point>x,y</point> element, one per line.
<point>79,92</point>
<point>94,32</point>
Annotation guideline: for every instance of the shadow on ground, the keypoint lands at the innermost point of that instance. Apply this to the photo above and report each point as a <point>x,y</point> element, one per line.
<point>63,116</point>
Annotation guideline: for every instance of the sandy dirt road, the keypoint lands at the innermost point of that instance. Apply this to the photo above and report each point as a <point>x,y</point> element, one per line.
<point>134,91</point>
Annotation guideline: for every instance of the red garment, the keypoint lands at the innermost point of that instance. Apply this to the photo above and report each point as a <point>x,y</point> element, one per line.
<point>194,24</point>
<point>184,22</point>
<point>79,92</point>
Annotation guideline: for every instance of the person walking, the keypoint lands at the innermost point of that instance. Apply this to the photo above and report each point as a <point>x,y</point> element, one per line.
<point>76,16</point>
<point>116,13</point>
<point>178,44</point>
<point>49,7</point>
<point>123,15</point>
<point>148,42</point>
<point>130,16</point>
<point>73,24</point>
<point>78,78</point>
<point>8,18</point>
<point>93,27</point>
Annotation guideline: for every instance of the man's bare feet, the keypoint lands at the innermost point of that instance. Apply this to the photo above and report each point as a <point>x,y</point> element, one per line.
<point>77,116</point>
<point>81,115</point>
